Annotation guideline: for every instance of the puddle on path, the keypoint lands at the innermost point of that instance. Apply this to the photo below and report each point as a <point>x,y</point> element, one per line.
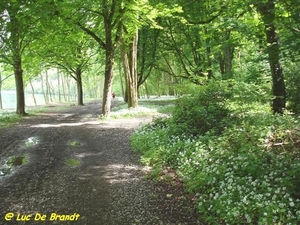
<point>31,141</point>
<point>11,163</point>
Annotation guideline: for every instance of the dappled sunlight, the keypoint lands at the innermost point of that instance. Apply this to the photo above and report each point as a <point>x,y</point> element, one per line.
<point>117,173</point>
<point>45,125</point>
<point>126,123</point>
<point>88,154</point>
<point>85,176</point>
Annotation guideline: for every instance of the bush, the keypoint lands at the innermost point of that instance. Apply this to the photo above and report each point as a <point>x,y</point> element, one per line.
<point>293,88</point>
<point>198,114</point>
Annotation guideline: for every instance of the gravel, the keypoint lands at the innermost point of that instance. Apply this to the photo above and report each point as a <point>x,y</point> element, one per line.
<point>80,170</point>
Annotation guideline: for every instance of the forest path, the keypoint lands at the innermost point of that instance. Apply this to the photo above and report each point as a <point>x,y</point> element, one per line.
<point>84,168</point>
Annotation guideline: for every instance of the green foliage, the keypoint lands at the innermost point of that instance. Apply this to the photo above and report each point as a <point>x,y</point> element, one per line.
<point>8,118</point>
<point>195,115</point>
<point>293,87</point>
<point>72,162</point>
<point>246,174</point>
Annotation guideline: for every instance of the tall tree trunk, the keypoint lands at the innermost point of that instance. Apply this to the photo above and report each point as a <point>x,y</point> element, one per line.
<point>130,70</point>
<point>121,79</point>
<point>58,85</point>
<point>48,87</point>
<point>109,64</point>
<point>16,44</point>
<point>170,84</point>
<point>79,86</point>
<point>68,89</point>
<point>267,11</point>
<point>19,85</point>
<point>63,84</point>
<point>32,89</point>
<point>43,89</point>
<point>226,56</point>
<point>208,55</point>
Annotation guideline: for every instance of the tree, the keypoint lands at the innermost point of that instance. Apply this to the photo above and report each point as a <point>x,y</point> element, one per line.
<point>106,16</point>
<point>19,28</point>
<point>129,56</point>
<point>267,12</point>
<point>147,52</point>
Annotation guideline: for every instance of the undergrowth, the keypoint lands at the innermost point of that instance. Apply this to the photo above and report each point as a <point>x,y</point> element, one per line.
<point>146,107</point>
<point>242,164</point>
<point>8,118</point>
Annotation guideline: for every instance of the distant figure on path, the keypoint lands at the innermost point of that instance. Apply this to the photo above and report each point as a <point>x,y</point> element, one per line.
<point>113,95</point>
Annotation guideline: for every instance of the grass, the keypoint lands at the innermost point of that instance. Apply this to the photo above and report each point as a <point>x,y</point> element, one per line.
<point>154,106</point>
<point>72,162</point>
<point>9,118</point>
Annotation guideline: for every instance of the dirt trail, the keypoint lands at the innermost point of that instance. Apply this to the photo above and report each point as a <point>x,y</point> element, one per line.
<point>83,171</point>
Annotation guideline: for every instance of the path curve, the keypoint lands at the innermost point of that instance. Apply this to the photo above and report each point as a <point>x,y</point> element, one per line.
<point>81,171</point>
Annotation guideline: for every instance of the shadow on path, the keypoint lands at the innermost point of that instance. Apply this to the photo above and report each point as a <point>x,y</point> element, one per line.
<point>79,171</point>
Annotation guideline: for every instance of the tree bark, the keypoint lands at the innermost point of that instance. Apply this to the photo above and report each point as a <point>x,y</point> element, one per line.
<point>48,94</point>
<point>130,69</point>
<point>267,11</point>
<point>109,64</point>
<point>58,85</point>
<point>121,79</point>
<point>79,86</point>
<point>19,85</point>
<point>33,96</point>
<point>17,62</point>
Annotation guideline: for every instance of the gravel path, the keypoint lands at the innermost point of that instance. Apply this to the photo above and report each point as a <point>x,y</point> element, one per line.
<point>82,171</point>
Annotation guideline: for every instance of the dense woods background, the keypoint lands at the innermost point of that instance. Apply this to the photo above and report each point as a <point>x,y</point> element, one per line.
<point>143,48</point>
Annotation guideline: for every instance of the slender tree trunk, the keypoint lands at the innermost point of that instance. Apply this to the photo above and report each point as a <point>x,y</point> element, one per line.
<point>121,79</point>
<point>267,11</point>
<point>58,85</point>
<point>52,91</point>
<point>32,89</point>
<point>48,87</point>
<point>63,84</point>
<point>208,55</point>
<point>68,89</point>
<point>130,70</point>
<point>43,89</point>
<point>79,86</point>
<point>147,90</point>
<point>96,90</point>
<point>170,84</point>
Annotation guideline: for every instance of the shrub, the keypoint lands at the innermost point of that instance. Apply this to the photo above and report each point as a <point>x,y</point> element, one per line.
<point>195,115</point>
<point>293,87</point>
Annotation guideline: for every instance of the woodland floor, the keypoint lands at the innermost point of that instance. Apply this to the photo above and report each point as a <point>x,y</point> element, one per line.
<point>77,164</point>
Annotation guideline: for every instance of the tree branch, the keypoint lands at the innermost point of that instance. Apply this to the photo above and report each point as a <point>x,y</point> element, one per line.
<point>92,34</point>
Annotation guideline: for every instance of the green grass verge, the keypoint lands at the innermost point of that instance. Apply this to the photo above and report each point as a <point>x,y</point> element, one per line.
<point>9,118</point>
<point>145,107</point>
